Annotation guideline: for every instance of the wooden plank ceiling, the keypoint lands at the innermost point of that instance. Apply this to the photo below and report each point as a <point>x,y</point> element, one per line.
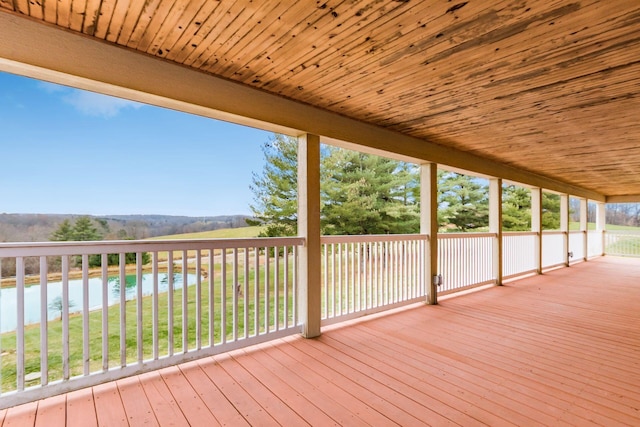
<point>548,86</point>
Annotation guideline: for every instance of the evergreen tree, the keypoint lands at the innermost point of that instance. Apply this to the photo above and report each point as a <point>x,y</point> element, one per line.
<point>516,208</point>
<point>360,193</point>
<point>550,211</point>
<point>464,202</point>
<point>276,189</point>
<point>85,231</point>
<point>63,233</point>
<point>365,194</point>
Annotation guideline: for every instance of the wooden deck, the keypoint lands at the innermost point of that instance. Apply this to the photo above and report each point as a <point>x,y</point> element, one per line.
<point>558,349</point>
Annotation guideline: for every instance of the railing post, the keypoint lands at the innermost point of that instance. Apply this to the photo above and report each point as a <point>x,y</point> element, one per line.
<point>584,206</point>
<point>429,226</point>
<point>564,226</point>
<point>536,226</point>
<point>309,228</point>
<point>495,225</point>
<point>601,223</point>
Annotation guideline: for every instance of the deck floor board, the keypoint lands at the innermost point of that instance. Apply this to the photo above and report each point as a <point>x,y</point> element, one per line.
<point>561,349</point>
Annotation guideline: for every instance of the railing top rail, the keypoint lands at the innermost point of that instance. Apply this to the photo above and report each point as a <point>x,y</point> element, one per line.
<point>122,246</point>
<point>577,231</point>
<point>631,232</point>
<point>373,238</point>
<point>519,233</point>
<point>465,235</point>
<point>552,232</point>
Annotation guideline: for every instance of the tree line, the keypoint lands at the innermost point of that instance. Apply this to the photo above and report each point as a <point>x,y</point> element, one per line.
<point>368,194</point>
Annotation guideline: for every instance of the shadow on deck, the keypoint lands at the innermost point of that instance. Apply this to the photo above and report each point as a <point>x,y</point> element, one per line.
<point>562,348</point>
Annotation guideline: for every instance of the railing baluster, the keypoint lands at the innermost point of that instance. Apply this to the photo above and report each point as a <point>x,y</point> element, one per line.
<point>340,280</point>
<point>85,315</point>
<point>295,286</point>
<point>267,290</point>
<point>20,358</point>
<point>139,305</point>
<point>170,295</point>
<point>123,310</point>
<point>212,310</point>
<point>352,269</point>
<point>256,290</point>
<point>325,281</point>
<point>105,311</point>
<point>44,317</point>
<point>245,296</point>
<point>65,318</point>
<point>276,288</point>
<point>286,286</point>
<point>223,297</point>
<point>198,300</point>
<point>185,301</point>
<point>235,294</point>
<point>155,305</point>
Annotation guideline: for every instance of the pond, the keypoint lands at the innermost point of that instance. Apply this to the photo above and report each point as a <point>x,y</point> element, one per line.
<point>8,296</point>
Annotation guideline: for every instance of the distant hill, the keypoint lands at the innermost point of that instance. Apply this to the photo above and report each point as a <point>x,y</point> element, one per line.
<point>38,227</point>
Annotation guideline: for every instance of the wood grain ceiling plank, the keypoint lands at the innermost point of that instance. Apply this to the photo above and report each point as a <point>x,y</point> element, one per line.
<point>418,39</point>
<point>243,36</point>
<point>162,46</point>
<point>140,26</point>
<point>104,18</point>
<point>206,33</point>
<point>130,22</point>
<point>49,10</point>
<point>36,9</point>
<point>92,11</point>
<point>454,65</point>
<point>162,13</point>
<point>118,19</point>
<point>170,25</point>
<point>77,15</point>
<point>449,76</point>
<point>325,36</point>
<point>468,82</point>
<point>7,4</point>
<point>288,27</point>
<point>191,37</point>
<point>21,6</point>
<point>256,40</point>
<point>225,29</point>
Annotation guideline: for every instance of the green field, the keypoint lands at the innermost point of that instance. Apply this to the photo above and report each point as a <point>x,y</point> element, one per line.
<point>223,233</point>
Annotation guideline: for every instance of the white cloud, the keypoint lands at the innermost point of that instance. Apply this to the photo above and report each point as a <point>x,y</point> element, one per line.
<point>98,105</point>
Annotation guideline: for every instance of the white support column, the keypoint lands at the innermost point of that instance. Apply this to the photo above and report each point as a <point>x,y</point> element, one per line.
<point>429,226</point>
<point>309,228</point>
<point>564,226</point>
<point>536,225</point>
<point>601,221</point>
<point>495,225</point>
<point>584,206</point>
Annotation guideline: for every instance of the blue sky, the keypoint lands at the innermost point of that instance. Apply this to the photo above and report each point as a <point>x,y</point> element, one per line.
<point>64,150</point>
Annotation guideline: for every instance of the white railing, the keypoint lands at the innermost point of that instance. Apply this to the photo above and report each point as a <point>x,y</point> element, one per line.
<point>518,253</point>
<point>622,243</point>
<point>552,249</point>
<point>465,260</point>
<point>367,274</point>
<point>594,243</point>
<point>193,298</point>
<point>576,245</point>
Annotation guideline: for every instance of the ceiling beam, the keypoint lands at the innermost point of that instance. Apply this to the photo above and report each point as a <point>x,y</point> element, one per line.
<point>35,49</point>
<point>627,198</point>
